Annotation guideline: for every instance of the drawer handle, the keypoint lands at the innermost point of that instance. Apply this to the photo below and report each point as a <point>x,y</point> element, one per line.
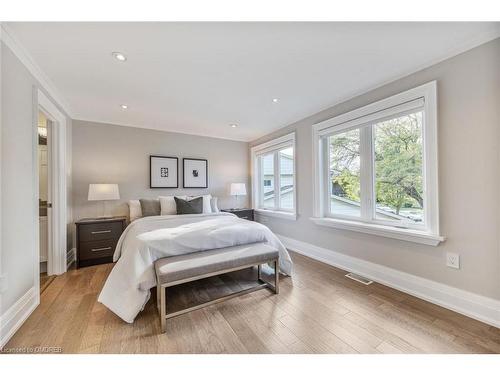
<point>101,231</point>
<point>101,249</point>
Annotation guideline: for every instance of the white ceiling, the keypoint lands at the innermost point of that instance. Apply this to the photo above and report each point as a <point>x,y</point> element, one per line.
<point>200,77</point>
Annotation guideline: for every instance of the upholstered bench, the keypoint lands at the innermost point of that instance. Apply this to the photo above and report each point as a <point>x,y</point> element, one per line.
<point>182,269</point>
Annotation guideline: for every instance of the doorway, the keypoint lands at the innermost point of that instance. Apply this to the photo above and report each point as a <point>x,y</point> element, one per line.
<point>44,198</point>
<point>50,202</point>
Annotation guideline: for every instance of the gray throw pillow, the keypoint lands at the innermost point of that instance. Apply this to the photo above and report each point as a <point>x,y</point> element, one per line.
<point>194,206</point>
<point>150,207</point>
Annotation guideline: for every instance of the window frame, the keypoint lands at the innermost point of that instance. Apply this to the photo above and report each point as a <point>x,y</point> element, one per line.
<point>365,118</point>
<point>273,147</point>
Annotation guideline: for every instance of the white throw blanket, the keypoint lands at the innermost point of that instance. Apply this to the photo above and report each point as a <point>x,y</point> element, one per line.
<point>145,240</point>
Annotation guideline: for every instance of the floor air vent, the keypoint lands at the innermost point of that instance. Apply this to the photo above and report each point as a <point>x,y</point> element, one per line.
<point>359,279</point>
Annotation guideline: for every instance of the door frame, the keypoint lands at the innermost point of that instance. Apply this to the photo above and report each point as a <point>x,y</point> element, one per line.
<point>57,252</point>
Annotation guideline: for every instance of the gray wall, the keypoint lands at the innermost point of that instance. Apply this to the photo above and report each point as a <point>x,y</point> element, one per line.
<point>104,153</point>
<point>18,167</point>
<point>469,144</point>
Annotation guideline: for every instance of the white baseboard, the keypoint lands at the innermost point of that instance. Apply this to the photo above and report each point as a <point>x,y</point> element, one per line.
<point>70,258</point>
<point>43,267</point>
<point>15,316</point>
<point>473,305</point>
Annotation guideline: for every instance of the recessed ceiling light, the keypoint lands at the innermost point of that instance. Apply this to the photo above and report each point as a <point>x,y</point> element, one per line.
<point>233,125</point>
<point>119,56</point>
<point>275,100</point>
<point>124,106</point>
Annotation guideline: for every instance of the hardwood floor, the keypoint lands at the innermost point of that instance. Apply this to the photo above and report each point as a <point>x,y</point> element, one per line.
<point>45,281</point>
<point>318,311</point>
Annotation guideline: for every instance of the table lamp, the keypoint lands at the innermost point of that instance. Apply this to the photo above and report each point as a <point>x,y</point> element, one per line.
<point>103,192</point>
<point>237,189</point>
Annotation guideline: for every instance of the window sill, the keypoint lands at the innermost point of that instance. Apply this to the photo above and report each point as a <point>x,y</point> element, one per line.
<point>380,230</point>
<point>278,214</point>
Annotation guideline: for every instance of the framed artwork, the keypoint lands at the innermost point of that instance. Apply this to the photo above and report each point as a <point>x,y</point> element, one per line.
<point>195,173</point>
<point>163,172</point>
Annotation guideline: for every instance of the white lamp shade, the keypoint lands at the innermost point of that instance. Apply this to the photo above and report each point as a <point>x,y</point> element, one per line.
<point>238,188</point>
<point>103,192</point>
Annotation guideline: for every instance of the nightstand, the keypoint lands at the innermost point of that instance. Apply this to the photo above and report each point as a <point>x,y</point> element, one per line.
<point>243,213</point>
<point>96,239</point>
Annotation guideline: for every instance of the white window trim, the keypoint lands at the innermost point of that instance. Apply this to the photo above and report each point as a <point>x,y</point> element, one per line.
<point>367,114</point>
<point>410,235</point>
<point>275,213</point>
<point>264,148</point>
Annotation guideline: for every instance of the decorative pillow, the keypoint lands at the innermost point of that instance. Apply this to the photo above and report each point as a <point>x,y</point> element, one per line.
<point>193,206</point>
<point>207,209</point>
<point>168,206</point>
<point>150,207</point>
<point>213,205</point>
<point>135,211</point>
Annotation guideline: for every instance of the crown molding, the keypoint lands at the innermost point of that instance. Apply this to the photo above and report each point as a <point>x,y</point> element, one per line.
<point>465,47</point>
<point>10,40</point>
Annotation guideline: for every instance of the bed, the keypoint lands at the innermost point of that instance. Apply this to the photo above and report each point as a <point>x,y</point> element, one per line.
<point>145,240</point>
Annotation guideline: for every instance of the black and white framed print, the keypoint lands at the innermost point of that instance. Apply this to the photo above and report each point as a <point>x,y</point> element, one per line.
<point>195,173</point>
<point>163,172</point>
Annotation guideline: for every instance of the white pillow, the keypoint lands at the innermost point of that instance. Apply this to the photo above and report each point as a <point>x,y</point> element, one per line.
<point>134,209</point>
<point>213,205</point>
<point>168,206</point>
<point>207,208</point>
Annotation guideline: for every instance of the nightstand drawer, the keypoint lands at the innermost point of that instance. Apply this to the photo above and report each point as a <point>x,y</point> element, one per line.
<point>96,239</point>
<point>242,213</point>
<point>97,249</point>
<point>100,231</point>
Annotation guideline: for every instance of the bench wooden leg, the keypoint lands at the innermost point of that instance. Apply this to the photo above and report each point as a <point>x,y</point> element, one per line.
<point>163,308</point>
<point>276,277</point>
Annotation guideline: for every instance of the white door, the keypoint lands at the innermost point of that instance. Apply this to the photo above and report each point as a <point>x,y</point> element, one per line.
<point>49,199</point>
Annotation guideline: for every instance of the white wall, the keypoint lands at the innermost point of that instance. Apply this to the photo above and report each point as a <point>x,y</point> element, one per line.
<point>469,178</point>
<point>104,153</point>
<point>18,165</point>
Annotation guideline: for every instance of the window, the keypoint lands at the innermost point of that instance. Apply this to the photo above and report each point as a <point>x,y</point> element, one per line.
<point>267,175</point>
<point>376,168</point>
<point>273,173</point>
<point>286,178</point>
<point>344,161</point>
<point>398,169</point>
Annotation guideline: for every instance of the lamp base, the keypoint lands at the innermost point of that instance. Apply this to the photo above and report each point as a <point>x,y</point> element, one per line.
<point>105,214</point>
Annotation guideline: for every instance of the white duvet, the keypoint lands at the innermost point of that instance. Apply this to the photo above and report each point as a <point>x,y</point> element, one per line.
<point>145,240</point>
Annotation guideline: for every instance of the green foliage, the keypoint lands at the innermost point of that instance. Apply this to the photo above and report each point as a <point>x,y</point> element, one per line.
<point>344,157</point>
<point>398,162</point>
<point>349,183</point>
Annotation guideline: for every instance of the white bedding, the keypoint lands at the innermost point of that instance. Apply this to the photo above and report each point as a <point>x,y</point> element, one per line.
<point>145,240</point>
